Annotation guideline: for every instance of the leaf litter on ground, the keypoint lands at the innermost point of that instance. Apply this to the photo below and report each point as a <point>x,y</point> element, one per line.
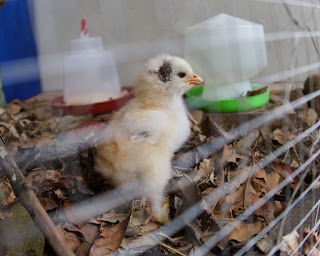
<point>56,153</point>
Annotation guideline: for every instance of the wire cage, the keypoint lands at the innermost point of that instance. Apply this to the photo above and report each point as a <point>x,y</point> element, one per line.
<point>245,183</point>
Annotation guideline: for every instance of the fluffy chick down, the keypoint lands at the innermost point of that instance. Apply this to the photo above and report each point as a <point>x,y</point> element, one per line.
<point>140,140</point>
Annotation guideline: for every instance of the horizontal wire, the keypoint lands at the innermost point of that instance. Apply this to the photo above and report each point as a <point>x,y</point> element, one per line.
<point>194,211</point>
<point>292,2</point>
<point>277,36</point>
<point>103,203</point>
<point>250,210</point>
<point>272,224</point>
<point>286,74</point>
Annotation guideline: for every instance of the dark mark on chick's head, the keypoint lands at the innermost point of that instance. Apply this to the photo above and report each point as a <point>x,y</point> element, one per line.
<point>164,72</point>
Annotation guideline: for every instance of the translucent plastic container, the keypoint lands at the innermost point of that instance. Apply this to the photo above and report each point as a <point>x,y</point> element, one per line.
<point>90,73</point>
<point>226,51</point>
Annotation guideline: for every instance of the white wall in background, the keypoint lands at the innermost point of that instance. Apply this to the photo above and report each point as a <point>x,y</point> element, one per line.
<point>138,29</point>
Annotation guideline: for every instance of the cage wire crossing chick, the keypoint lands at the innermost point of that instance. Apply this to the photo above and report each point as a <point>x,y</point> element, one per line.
<point>140,140</point>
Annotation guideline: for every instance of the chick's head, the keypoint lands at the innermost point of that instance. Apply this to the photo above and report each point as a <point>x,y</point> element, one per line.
<point>165,72</point>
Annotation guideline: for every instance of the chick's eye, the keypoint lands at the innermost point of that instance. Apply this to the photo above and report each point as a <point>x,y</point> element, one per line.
<point>181,74</point>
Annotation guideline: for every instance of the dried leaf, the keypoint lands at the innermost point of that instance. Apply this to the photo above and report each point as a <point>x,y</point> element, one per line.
<point>110,240</point>
<point>269,180</point>
<point>60,194</point>
<point>265,244</point>
<point>7,195</point>
<point>292,242</point>
<point>230,154</point>
<point>197,115</point>
<point>88,232</point>
<point>13,108</point>
<point>133,230</point>
<point>244,197</point>
<point>2,111</point>
<point>209,201</point>
<point>112,217</point>
<point>194,124</point>
<point>244,231</point>
<point>267,211</point>
<point>259,182</point>
<point>141,241</point>
<point>48,204</point>
<point>189,192</point>
<point>11,128</point>
<point>138,217</point>
<point>285,171</point>
<point>69,237</point>
<point>40,142</point>
<point>273,180</point>
<point>278,136</point>
<point>2,130</point>
<point>206,167</point>
<point>309,116</point>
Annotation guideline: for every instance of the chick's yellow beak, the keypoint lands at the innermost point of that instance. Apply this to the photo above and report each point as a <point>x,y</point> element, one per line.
<point>195,80</point>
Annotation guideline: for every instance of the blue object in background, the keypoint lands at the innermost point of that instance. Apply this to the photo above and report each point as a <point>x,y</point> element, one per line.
<point>18,52</point>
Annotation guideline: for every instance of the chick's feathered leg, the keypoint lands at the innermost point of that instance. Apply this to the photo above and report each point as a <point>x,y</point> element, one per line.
<point>153,184</point>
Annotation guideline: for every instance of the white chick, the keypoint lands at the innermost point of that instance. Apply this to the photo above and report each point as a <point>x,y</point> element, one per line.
<point>140,140</point>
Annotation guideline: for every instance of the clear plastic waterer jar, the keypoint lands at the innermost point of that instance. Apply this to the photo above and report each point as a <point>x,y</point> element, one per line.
<point>226,51</point>
<point>90,73</point>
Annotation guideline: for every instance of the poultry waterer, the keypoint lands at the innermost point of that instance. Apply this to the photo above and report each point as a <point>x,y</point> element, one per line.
<point>90,73</point>
<point>227,52</point>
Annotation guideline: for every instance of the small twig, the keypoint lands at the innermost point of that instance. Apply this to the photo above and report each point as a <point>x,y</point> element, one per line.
<point>296,153</point>
<point>248,180</point>
<point>285,157</point>
<point>32,204</point>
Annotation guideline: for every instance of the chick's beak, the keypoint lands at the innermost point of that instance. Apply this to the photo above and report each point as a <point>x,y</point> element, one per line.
<point>195,80</point>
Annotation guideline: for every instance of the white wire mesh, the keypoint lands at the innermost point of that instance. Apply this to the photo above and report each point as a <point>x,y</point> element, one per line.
<point>291,71</point>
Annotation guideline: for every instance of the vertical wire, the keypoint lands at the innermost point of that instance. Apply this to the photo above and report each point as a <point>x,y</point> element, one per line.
<point>307,54</point>
<point>315,27</point>
<point>312,104</point>
<point>313,167</point>
<point>275,24</point>
<point>281,59</point>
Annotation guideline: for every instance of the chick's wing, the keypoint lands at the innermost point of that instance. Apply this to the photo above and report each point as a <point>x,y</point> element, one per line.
<point>145,125</point>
